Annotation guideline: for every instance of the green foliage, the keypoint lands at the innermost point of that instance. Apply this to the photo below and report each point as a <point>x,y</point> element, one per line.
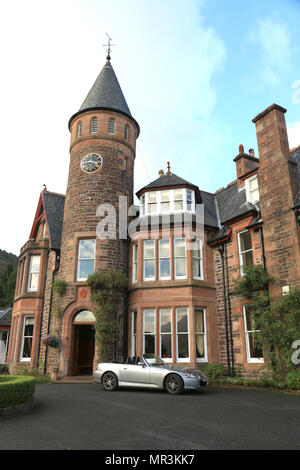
<point>39,378</point>
<point>278,323</point>
<point>293,379</point>
<point>4,369</point>
<point>215,371</point>
<point>7,258</point>
<point>7,286</point>
<point>106,289</point>
<point>60,286</point>
<point>15,389</point>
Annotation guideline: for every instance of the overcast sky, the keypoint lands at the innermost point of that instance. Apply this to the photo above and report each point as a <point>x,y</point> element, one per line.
<point>194,74</point>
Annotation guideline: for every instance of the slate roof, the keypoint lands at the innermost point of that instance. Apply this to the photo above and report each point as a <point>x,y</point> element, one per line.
<point>106,93</point>
<point>295,153</point>
<point>54,208</point>
<point>210,210</point>
<point>165,181</point>
<point>5,316</point>
<point>231,203</point>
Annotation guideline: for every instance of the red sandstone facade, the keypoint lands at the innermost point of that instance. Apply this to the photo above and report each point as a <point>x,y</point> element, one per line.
<point>178,303</point>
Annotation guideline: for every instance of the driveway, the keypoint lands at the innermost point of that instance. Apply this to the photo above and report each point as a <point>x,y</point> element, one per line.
<point>84,416</point>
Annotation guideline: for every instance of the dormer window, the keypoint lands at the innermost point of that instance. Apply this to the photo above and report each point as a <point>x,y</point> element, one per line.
<point>252,190</point>
<point>167,201</point>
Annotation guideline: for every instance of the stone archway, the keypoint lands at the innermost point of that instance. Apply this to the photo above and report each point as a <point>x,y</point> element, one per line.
<point>83,339</point>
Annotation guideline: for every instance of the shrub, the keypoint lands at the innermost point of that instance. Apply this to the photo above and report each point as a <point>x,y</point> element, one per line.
<point>215,371</point>
<point>293,379</point>
<point>4,369</point>
<point>60,286</point>
<point>15,389</point>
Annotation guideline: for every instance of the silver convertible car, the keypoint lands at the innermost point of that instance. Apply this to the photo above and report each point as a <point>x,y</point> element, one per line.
<point>149,371</point>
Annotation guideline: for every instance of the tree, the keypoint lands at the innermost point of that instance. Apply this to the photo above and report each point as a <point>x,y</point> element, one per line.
<point>7,286</point>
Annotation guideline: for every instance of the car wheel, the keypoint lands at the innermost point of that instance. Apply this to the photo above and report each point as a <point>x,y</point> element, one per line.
<point>110,381</point>
<point>174,384</point>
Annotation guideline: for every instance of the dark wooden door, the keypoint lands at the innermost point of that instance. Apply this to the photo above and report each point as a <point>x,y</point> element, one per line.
<point>84,350</point>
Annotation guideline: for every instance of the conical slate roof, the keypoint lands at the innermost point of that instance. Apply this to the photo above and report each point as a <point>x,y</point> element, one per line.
<point>106,92</point>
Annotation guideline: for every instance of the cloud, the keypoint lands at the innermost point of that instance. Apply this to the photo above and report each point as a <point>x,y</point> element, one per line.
<point>294,134</point>
<point>273,38</point>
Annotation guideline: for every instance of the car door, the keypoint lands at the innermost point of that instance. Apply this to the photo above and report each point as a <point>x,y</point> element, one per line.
<point>157,375</point>
<point>135,374</point>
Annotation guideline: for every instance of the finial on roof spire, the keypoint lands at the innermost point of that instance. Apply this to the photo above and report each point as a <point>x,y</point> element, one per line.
<point>45,187</point>
<point>109,45</point>
<point>169,168</point>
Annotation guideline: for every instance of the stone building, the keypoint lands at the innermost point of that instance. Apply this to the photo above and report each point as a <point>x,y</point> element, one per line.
<point>178,302</point>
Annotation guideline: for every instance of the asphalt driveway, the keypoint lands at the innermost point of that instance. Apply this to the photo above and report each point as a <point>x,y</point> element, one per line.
<point>85,417</point>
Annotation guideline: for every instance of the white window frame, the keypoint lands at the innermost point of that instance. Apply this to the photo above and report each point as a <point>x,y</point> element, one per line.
<point>134,262</point>
<point>182,359</point>
<point>248,192</point>
<point>179,257</point>
<point>133,333</point>
<point>253,360</point>
<point>84,259</point>
<point>30,272</point>
<point>4,353</point>
<point>26,359</point>
<point>201,359</point>
<point>172,205</point>
<point>149,259</point>
<point>161,258</point>
<point>149,334</point>
<point>165,359</point>
<point>200,260</point>
<point>246,251</point>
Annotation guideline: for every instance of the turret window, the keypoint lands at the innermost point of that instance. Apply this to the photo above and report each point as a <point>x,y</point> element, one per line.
<point>111,126</point>
<point>34,271</point>
<point>79,129</point>
<point>126,132</point>
<point>94,126</point>
<point>178,199</point>
<point>152,204</point>
<point>86,259</point>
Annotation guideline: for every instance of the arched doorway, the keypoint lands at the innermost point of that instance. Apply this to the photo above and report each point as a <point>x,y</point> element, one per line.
<point>84,343</point>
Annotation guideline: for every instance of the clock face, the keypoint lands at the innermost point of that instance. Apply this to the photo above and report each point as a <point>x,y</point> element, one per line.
<point>91,163</point>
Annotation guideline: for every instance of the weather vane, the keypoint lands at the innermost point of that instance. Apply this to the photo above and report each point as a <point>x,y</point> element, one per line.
<point>109,45</point>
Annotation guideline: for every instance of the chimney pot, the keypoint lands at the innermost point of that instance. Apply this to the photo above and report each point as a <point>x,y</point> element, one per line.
<point>241,149</point>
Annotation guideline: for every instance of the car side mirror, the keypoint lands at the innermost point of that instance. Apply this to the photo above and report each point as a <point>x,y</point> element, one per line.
<point>141,364</point>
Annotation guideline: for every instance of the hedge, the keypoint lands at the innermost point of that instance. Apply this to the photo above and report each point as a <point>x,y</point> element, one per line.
<point>15,389</point>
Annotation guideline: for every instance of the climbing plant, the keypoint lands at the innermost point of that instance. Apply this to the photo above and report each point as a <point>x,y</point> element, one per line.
<point>277,321</point>
<point>106,289</point>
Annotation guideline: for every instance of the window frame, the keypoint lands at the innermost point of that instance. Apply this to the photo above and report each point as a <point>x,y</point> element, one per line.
<point>180,257</point>
<point>79,129</point>
<point>134,333</point>
<point>165,359</point>
<point>149,259</point>
<point>26,359</point>
<point>171,202</point>
<point>200,260</point>
<point>250,360</point>
<point>248,191</point>
<point>84,259</point>
<point>182,359</point>
<point>30,289</point>
<point>111,126</point>
<point>242,252</point>
<point>204,334</point>
<point>154,328</point>
<point>161,278</point>
<point>134,262</point>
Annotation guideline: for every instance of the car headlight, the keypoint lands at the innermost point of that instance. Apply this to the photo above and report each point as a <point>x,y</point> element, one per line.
<point>188,374</point>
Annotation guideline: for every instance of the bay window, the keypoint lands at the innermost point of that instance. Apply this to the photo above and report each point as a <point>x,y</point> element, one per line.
<point>149,331</point>
<point>165,333</point>
<point>27,339</point>
<point>164,259</point>
<point>197,259</point>
<point>200,335</point>
<point>167,201</point>
<point>180,258</point>
<point>134,262</point>
<point>149,260</point>
<point>34,272</point>
<point>182,335</point>
<point>133,333</point>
